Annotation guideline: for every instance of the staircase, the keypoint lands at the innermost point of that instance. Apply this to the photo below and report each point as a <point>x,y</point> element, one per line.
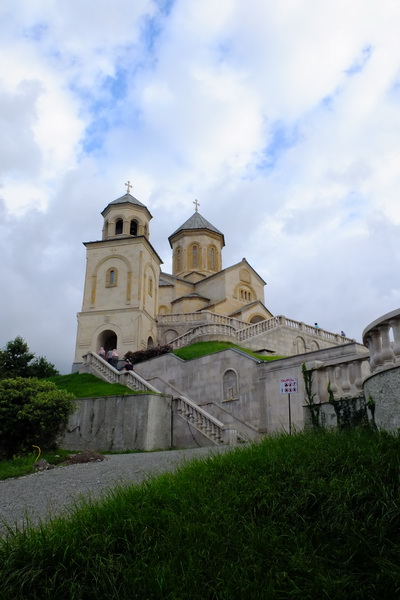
<point>197,417</point>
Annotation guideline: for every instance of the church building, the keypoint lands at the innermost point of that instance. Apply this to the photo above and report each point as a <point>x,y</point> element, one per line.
<point>130,304</point>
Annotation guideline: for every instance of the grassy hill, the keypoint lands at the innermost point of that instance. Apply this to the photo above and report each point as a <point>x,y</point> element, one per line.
<point>86,385</point>
<point>204,348</point>
<point>302,517</point>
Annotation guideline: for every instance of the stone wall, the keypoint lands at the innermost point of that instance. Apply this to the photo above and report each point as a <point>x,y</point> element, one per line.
<point>113,423</point>
<point>384,389</point>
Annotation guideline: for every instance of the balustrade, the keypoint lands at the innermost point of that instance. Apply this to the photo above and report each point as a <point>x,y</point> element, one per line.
<point>384,353</point>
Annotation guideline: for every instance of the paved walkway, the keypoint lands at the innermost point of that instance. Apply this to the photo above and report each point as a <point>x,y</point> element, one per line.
<point>42,495</point>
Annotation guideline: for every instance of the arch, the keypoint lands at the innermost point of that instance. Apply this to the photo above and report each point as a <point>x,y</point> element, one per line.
<point>230,390</point>
<point>256,319</point>
<point>314,345</point>
<point>133,227</point>
<point>119,226</point>
<point>300,345</point>
<point>106,258</point>
<point>112,277</point>
<point>212,258</point>
<point>163,309</point>
<point>178,259</point>
<point>194,256</point>
<point>245,294</point>
<point>170,335</point>
<point>150,342</point>
<point>108,339</point>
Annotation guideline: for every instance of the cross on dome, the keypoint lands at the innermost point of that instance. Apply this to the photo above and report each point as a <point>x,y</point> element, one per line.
<point>128,186</point>
<point>196,204</point>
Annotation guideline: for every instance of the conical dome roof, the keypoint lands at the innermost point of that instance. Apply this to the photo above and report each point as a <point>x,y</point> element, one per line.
<point>197,221</point>
<point>126,199</point>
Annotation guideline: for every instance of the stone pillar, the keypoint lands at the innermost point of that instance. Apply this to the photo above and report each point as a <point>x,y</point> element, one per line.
<point>395,325</point>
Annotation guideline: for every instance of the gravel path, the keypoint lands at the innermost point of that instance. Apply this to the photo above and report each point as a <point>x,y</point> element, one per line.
<point>45,494</point>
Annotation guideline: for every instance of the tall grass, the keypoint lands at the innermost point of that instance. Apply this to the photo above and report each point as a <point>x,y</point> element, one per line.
<point>303,517</point>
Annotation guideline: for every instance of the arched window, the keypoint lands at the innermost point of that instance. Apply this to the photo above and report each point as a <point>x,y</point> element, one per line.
<point>119,226</point>
<point>178,259</point>
<point>112,277</point>
<point>212,259</point>
<point>194,256</point>
<point>150,287</point>
<point>133,227</point>
<point>245,295</point>
<point>230,386</point>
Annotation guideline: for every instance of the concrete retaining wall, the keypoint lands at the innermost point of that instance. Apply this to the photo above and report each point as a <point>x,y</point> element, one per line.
<point>137,422</point>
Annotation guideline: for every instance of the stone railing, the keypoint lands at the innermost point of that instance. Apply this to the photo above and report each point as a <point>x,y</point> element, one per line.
<point>208,425</point>
<point>94,363</point>
<point>279,321</point>
<point>346,378</point>
<point>226,331</point>
<point>382,337</point>
<point>196,317</point>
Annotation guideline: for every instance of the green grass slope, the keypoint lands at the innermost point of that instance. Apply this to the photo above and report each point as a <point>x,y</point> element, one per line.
<point>204,348</point>
<point>301,517</point>
<point>86,385</point>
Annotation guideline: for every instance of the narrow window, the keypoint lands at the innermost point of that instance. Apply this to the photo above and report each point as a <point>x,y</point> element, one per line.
<point>194,257</point>
<point>133,228</point>
<point>112,277</point>
<point>150,286</point>
<point>212,259</point>
<point>119,226</point>
<point>178,259</point>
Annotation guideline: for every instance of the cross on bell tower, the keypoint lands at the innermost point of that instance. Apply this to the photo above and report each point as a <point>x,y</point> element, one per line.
<point>196,204</point>
<point>128,186</point>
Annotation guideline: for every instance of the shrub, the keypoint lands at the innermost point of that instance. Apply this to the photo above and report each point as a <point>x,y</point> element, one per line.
<point>31,412</point>
<point>141,355</point>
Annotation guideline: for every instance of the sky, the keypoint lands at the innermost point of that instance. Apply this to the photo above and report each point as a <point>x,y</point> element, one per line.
<point>281,118</point>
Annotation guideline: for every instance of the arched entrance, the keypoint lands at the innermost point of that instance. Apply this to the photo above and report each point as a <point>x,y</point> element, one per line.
<point>150,342</point>
<point>107,339</point>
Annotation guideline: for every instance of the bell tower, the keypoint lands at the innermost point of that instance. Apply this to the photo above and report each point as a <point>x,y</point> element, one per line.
<point>196,248</point>
<point>120,297</point>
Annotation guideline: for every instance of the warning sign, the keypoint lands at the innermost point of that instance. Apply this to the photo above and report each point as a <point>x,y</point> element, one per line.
<point>289,385</point>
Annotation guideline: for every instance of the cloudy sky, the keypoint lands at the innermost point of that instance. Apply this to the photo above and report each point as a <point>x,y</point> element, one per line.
<point>281,117</point>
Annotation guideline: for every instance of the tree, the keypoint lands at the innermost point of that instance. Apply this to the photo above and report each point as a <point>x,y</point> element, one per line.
<point>16,361</point>
<point>31,412</point>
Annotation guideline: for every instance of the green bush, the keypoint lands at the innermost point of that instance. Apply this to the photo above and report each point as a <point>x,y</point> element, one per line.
<point>31,412</point>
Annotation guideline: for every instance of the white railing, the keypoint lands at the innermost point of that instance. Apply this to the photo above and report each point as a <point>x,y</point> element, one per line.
<point>196,317</point>
<point>130,379</point>
<point>202,331</point>
<point>345,378</point>
<point>253,330</point>
<point>208,425</point>
<point>382,337</point>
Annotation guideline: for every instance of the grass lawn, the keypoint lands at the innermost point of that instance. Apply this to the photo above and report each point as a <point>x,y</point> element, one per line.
<point>303,517</point>
<point>86,385</point>
<point>24,465</point>
<point>204,348</point>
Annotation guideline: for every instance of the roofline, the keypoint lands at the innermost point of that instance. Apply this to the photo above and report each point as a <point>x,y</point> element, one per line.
<point>124,239</point>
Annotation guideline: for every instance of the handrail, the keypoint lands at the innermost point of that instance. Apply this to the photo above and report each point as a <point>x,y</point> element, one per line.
<point>377,336</point>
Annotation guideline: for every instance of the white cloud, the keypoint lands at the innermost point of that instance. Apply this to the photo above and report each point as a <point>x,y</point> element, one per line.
<point>281,118</point>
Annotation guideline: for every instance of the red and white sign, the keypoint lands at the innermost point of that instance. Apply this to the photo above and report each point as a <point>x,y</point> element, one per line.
<point>289,385</point>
